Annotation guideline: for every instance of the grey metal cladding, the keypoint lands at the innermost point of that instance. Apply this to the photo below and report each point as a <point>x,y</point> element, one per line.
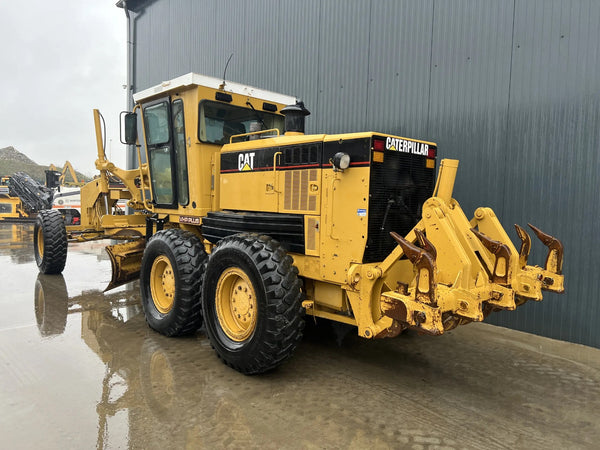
<point>298,36</point>
<point>470,77</point>
<point>342,63</point>
<point>553,165</point>
<point>399,64</point>
<point>509,87</point>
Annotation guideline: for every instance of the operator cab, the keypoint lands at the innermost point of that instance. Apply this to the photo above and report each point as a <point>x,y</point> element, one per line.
<point>185,122</point>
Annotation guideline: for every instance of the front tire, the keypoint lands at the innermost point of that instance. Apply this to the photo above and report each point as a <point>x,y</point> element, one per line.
<point>252,303</point>
<point>50,242</point>
<point>51,304</point>
<point>171,279</point>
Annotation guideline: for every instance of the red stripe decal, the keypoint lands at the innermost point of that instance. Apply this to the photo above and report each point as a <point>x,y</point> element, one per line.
<point>303,166</point>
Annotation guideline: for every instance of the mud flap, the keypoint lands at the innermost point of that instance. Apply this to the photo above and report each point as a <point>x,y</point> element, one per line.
<point>126,261</point>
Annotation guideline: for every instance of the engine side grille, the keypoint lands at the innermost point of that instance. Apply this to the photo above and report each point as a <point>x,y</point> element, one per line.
<point>312,234</point>
<point>297,195</point>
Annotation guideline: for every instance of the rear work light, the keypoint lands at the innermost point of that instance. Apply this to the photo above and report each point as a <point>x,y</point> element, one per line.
<point>223,97</point>
<point>378,149</point>
<point>378,145</point>
<point>430,161</point>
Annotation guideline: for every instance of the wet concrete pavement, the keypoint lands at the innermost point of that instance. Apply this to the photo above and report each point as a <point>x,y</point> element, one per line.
<point>80,369</point>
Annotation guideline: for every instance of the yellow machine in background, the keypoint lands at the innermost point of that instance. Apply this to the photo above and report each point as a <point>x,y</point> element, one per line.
<point>11,207</point>
<point>21,197</point>
<point>243,221</point>
<point>67,169</point>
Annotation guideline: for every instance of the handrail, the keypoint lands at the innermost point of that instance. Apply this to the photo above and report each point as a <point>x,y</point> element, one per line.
<point>254,133</point>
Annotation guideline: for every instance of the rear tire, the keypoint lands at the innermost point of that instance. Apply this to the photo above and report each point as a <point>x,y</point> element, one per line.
<point>50,242</point>
<point>252,303</point>
<point>171,279</point>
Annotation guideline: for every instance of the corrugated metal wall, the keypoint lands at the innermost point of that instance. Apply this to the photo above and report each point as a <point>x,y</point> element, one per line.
<point>509,87</point>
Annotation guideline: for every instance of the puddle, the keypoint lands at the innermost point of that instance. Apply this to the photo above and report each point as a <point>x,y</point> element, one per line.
<point>81,369</point>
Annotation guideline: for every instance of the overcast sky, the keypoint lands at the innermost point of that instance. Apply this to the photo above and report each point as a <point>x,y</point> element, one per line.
<point>58,61</point>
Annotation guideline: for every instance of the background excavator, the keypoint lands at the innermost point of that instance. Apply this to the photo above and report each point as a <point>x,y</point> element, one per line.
<point>62,178</point>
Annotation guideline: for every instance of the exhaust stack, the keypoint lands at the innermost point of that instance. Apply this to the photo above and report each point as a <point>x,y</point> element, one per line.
<point>295,118</point>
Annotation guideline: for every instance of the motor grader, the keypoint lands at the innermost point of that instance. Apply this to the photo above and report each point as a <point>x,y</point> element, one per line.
<point>243,222</point>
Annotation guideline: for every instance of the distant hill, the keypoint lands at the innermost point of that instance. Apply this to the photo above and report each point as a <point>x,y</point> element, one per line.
<point>12,160</point>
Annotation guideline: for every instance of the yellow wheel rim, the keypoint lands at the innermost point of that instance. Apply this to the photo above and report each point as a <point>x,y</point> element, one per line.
<point>40,300</point>
<point>236,305</point>
<point>40,242</point>
<point>162,382</point>
<point>162,284</point>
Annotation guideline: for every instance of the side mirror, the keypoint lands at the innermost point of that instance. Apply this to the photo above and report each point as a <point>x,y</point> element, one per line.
<point>128,128</point>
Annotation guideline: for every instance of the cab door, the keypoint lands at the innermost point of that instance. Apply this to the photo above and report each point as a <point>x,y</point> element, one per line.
<point>165,146</point>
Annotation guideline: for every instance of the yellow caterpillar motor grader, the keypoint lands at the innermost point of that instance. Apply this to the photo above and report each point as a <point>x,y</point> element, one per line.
<point>243,222</point>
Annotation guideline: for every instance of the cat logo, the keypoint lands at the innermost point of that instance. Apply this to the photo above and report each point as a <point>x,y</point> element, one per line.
<point>246,162</point>
<point>402,145</point>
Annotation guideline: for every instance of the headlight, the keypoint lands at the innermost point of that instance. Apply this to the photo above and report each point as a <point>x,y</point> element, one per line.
<point>341,161</point>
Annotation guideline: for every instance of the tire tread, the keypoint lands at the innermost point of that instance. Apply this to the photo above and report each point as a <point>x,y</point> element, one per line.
<point>55,242</point>
<point>190,262</point>
<point>285,320</point>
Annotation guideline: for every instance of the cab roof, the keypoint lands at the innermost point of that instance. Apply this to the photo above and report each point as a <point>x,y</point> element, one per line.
<point>194,79</point>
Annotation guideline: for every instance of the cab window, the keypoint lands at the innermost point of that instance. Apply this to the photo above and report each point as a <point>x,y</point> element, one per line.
<point>180,152</point>
<point>219,121</point>
<point>157,124</point>
<point>162,182</point>
<point>158,137</point>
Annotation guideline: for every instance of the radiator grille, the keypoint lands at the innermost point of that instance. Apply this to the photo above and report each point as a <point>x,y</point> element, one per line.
<point>399,185</point>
